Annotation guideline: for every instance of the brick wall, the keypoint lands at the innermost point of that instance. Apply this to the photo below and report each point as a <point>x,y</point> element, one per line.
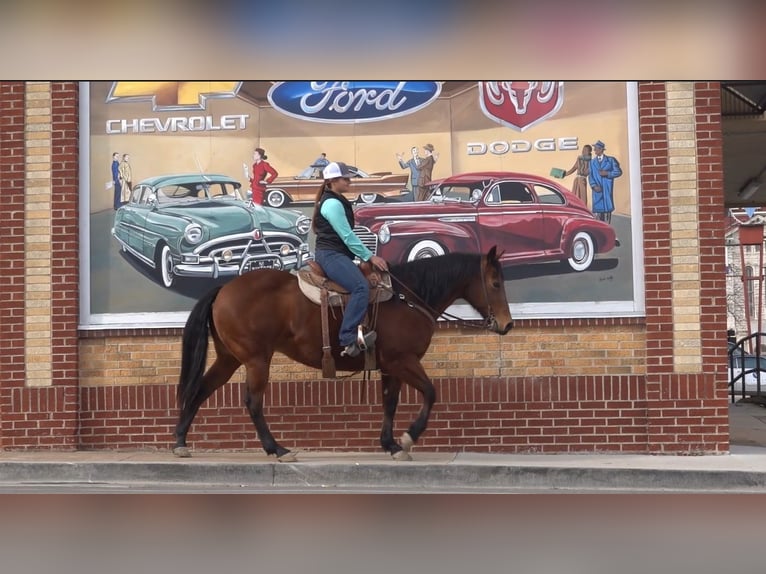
<point>627,385</point>
<point>39,402</point>
<point>685,280</point>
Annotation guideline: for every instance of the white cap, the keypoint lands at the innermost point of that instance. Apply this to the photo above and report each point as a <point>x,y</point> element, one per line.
<point>336,169</point>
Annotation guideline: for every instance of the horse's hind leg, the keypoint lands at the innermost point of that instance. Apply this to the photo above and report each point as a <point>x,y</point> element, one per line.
<point>257,380</point>
<point>215,377</point>
<point>390,388</point>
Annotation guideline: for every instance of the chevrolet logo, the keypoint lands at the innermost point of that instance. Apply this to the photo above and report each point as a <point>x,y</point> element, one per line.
<point>171,96</point>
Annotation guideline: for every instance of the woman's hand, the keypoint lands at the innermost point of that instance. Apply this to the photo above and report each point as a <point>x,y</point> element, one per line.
<point>379,263</point>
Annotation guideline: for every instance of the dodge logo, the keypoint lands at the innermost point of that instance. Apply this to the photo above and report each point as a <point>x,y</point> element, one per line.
<point>520,105</point>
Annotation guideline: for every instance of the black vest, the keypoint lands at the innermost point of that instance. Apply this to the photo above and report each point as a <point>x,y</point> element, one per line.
<point>326,238</point>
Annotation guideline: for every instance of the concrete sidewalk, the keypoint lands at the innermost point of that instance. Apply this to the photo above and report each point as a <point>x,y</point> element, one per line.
<point>744,469</point>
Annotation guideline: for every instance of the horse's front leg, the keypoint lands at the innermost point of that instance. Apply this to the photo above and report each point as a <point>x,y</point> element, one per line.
<point>390,387</point>
<point>413,374</point>
<point>257,380</point>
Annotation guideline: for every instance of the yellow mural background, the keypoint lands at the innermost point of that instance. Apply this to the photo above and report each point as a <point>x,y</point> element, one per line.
<point>590,111</point>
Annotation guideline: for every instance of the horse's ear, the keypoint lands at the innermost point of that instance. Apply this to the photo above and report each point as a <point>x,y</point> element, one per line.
<point>493,255</point>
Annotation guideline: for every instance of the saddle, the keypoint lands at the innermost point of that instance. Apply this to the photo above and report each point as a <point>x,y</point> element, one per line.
<point>318,288</point>
<point>312,281</point>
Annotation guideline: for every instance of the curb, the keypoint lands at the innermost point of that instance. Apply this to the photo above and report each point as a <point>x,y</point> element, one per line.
<point>322,476</point>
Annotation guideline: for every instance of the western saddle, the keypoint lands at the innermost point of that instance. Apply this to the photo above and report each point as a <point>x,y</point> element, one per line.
<point>318,288</point>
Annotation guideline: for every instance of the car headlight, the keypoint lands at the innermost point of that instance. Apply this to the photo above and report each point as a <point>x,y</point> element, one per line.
<point>193,233</point>
<point>303,224</point>
<point>384,234</point>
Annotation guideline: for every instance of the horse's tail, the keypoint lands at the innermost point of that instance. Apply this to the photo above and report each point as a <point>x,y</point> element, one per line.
<point>194,348</point>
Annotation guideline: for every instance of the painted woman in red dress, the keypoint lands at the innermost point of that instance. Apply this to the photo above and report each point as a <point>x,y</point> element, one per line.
<point>263,174</point>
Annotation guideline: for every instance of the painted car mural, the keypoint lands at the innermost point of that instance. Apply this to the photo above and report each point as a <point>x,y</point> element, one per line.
<point>199,225</point>
<point>366,187</point>
<point>530,218</point>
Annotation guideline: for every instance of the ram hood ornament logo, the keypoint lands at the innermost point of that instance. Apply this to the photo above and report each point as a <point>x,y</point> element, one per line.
<point>520,105</point>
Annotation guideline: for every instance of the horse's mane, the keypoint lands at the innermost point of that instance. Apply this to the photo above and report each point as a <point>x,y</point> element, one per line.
<point>434,278</point>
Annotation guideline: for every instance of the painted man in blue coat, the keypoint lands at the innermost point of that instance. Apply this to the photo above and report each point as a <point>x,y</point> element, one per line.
<point>116,183</point>
<point>603,170</point>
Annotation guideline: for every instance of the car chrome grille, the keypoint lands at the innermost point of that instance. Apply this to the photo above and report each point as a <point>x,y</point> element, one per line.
<point>367,237</point>
<point>242,246</point>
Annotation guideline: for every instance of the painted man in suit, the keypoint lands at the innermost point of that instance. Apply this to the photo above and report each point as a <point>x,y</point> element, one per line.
<point>425,171</point>
<point>412,165</point>
<point>126,178</point>
<point>603,171</point>
<point>116,183</point>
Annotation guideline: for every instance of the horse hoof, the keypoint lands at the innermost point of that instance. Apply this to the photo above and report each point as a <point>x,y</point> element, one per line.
<point>401,456</point>
<point>406,442</point>
<point>287,457</point>
<point>182,452</point>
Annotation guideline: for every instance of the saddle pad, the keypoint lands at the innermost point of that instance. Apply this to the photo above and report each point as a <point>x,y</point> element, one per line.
<point>312,284</point>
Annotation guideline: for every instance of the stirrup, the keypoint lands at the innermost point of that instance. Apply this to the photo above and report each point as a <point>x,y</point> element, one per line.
<point>365,340</point>
<point>351,350</point>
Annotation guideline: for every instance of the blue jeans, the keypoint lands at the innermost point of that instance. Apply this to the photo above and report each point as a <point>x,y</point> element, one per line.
<point>339,268</point>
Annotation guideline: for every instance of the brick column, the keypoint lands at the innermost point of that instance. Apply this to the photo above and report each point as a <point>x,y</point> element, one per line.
<point>712,229</point>
<point>65,256</point>
<point>37,234</point>
<point>684,227</point>
<point>38,273</point>
<point>12,371</point>
<point>684,285</point>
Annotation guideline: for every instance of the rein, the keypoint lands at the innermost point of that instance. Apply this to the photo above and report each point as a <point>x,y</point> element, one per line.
<point>433,315</point>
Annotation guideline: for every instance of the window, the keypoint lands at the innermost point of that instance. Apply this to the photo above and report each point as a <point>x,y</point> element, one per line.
<point>221,189</point>
<point>144,194</point>
<point>455,192</point>
<point>548,196</point>
<point>510,192</point>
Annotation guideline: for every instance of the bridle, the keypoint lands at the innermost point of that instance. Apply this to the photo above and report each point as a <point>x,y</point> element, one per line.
<point>432,314</point>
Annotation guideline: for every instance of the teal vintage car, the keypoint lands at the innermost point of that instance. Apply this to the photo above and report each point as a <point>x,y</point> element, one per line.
<point>200,225</point>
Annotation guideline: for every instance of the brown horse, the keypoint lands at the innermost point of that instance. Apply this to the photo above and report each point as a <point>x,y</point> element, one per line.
<point>264,311</point>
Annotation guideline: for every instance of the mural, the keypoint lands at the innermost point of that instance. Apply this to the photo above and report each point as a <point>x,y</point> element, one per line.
<point>188,184</point>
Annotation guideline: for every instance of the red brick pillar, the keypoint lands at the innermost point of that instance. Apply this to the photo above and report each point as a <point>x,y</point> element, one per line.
<point>686,409</point>
<point>40,416</point>
<point>12,262</point>
<point>65,258</point>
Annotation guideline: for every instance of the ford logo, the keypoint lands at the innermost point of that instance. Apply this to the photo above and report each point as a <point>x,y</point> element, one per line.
<point>351,102</point>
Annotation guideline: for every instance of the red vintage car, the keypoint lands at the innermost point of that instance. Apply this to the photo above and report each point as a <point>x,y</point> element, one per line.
<point>531,218</point>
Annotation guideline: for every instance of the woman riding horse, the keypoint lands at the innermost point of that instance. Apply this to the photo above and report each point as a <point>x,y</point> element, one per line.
<point>264,311</point>
<point>336,245</point>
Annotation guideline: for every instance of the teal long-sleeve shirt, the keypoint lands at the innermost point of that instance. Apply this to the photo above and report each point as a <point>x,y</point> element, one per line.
<point>332,210</point>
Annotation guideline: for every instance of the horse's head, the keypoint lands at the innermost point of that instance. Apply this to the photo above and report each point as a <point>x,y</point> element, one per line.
<point>487,294</point>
